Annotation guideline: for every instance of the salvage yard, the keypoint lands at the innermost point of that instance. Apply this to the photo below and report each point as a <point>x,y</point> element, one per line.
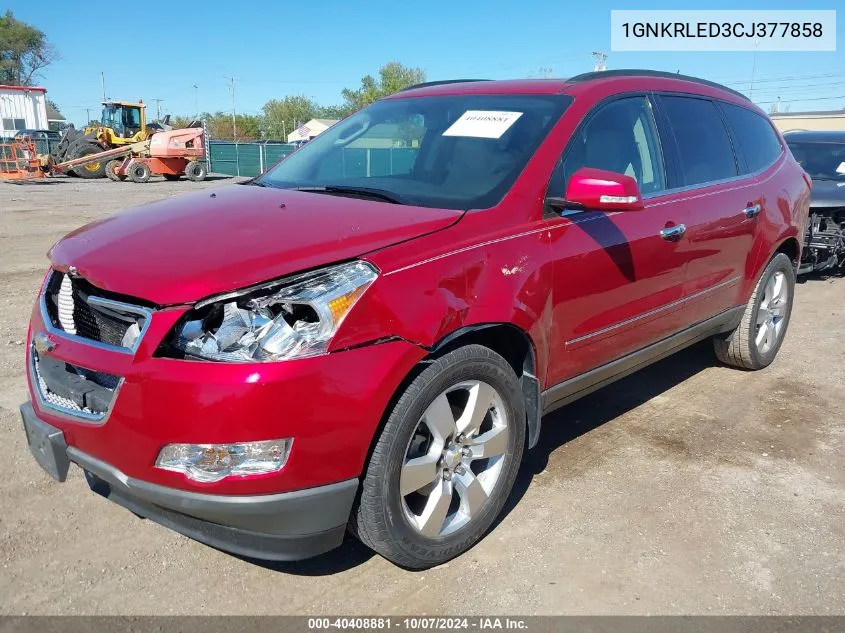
<point>687,488</point>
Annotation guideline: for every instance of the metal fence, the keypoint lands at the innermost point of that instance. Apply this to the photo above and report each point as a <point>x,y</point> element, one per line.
<point>250,159</point>
<point>245,159</point>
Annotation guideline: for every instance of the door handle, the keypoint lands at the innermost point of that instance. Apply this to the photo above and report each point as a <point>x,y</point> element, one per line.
<point>673,233</point>
<point>753,211</point>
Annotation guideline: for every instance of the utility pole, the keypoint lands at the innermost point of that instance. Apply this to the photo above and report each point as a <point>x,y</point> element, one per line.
<point>753,68</point>
<point>232,81</point>
<point>87,117</point>
<point>103,80</point>
<point>601,59</point>
<point>158,108</point>
<point>196,101</point>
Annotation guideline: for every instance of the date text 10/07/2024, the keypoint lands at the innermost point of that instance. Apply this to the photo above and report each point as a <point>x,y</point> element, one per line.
<point>418,623</point>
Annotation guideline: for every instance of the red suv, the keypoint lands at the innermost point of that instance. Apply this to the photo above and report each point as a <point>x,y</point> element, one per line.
<point>368,334</point>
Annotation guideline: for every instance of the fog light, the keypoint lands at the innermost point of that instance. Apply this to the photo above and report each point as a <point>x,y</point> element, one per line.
<point>213,462</point>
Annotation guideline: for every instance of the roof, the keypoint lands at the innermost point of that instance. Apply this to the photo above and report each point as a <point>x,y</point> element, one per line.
<point>53,114</point>
<point>607,81</point>
<point>818,113</point>
<point>827,136</point>
<point>326,122</point>
<point>23,88</point>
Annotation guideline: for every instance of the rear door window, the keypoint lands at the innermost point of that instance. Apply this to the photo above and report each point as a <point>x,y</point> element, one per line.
<point>704,147</point>
<point>757,140</point>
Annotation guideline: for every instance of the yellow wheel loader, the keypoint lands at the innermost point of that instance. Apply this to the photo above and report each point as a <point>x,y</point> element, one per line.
<point>122,123</point>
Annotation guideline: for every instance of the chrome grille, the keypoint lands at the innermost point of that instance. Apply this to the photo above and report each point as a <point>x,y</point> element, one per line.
<point>76,307</point>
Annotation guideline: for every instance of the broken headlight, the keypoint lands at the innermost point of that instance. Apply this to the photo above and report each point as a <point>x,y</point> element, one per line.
<point>293,318</point>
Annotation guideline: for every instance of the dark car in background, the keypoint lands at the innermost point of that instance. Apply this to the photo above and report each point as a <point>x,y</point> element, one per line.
<point>822,155</point>
<point>44,140</point>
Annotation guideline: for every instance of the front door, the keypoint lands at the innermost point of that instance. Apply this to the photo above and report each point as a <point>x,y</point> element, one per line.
<point>618,276</point>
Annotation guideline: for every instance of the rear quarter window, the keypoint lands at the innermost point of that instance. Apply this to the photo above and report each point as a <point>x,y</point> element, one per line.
<point>704,149</point>
<point>757,140</point>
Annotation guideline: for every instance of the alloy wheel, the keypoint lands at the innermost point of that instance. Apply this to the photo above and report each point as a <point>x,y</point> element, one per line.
<point>454,459</point>
<point>772,312</point>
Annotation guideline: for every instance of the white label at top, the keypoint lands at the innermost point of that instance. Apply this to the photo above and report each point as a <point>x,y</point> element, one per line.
<point>482,124</point>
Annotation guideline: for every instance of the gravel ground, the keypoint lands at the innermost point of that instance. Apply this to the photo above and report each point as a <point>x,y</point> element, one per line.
<point>688,488</point>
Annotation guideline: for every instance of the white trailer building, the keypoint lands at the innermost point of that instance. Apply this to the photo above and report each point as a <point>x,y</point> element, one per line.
<point>22,108</point>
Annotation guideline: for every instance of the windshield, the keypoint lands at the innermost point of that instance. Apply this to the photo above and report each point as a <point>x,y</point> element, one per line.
<point>454,152</point>
<point>823,161</point>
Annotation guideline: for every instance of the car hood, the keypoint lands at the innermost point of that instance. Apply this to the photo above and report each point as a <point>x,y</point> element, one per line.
<point>827,193</point>
<point>189,247</point>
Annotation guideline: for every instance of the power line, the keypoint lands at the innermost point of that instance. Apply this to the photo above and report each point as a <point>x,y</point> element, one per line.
<point>807,99</point>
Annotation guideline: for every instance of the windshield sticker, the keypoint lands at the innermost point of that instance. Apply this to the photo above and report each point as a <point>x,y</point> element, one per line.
<point>841,168</point>
<point>482,124</point>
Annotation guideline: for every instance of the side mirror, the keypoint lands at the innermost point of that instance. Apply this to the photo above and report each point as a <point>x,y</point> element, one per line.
<point>599,190</point>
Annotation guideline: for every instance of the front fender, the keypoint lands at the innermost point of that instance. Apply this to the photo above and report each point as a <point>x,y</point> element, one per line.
<point>502,280</point>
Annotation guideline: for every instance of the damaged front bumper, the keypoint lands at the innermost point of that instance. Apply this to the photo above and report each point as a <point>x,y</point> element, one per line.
<point>285,526</point>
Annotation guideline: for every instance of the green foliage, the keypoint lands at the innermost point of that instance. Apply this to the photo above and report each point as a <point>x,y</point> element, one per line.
<point>247,126</point>
<point>24,51</point>
<point>393,77</point>
<point>334,112</point>
<point>281,116</point>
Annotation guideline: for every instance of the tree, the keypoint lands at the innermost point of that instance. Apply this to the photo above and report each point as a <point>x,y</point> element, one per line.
<point>248,126</point>
<point>393,77</point>
<point>24,51</point>
<point>334,112</point>
<point>281,116</point>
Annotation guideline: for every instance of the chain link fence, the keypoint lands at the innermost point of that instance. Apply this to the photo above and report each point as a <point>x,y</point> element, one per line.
<point>251,159</point>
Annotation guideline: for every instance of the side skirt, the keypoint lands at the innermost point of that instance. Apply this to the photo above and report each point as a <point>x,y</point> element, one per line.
<point>570,390</point>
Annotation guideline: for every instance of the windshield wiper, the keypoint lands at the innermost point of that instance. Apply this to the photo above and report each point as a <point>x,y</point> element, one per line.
<point>367,192</point>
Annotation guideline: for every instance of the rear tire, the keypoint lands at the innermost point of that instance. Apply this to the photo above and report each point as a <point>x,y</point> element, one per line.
<point>139,172</point>
<point>196,171</point>
<point>469,445</point>
<point>111,170</point>
<point>90,170</point>
<point>756,341</point>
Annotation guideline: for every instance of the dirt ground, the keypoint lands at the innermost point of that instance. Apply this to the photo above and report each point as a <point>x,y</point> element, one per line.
<point>688,488</point>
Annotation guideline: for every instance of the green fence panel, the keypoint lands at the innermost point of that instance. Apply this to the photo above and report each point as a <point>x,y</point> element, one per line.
<point>274,153</point>
<point>224,158</point>
<point>402,160</point>
<point>248,159</point>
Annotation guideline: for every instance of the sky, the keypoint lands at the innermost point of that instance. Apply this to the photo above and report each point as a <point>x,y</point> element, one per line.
<point>161,50</point>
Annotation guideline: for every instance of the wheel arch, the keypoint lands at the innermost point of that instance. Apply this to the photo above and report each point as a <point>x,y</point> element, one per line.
<point>790,247</point>
<point>516,347</point>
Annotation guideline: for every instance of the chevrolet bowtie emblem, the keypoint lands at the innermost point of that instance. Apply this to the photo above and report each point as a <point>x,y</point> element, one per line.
<point>43,343</point>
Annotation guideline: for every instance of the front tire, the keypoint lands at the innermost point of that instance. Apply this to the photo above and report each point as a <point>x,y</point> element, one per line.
<point>139,172</point>
<point>95,169</point>
<point>445,461</point>
<point>196,171</point>
<point>756,341</point>
<point>111,170</point>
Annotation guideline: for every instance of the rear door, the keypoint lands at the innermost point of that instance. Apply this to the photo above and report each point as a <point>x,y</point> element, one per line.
<point>719,204</point>
<point>618,284</point>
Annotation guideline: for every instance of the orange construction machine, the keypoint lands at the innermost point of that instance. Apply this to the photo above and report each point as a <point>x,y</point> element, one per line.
<point>19,159</point>
<point>170,154</point>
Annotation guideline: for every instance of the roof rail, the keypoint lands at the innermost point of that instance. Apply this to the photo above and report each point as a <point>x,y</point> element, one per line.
<point>632,72</point>
<point>440,83</point>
